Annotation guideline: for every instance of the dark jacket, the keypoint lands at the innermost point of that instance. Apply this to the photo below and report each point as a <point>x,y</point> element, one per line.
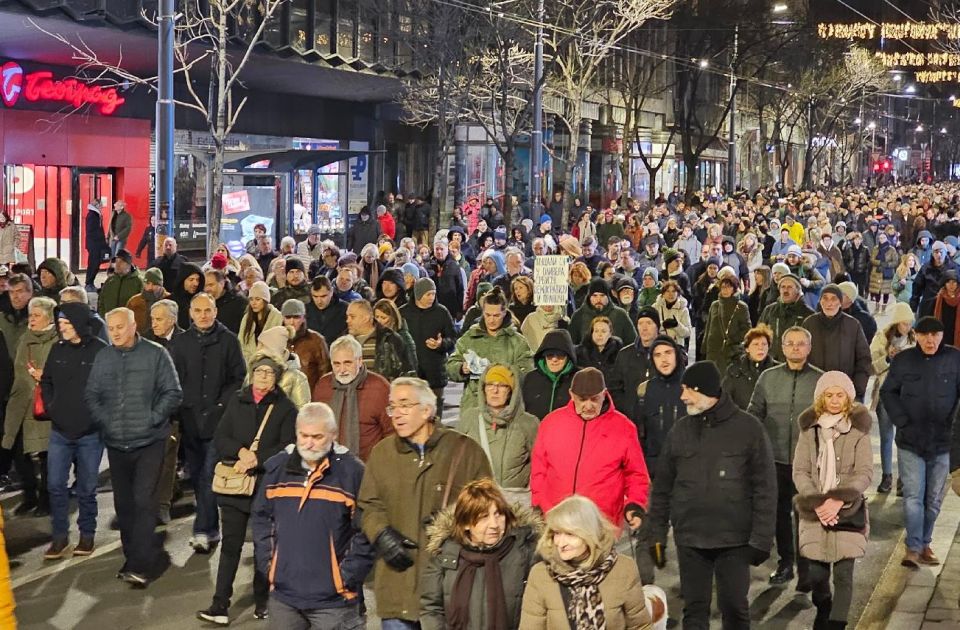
<point>239,425</point>
<point>424,324</point>
<point>544,391</point>
<point>362,233</point>
<point>858,311</point>
<point>169,266</point>
<point>839,344</point>
<point>779,316</point>
<point>448,277</point>
<point>580,322</point>
<point>331,322</point>
<point>657,408</point>
<point>117,291</point>
<point>741,377</point>
<point>180,295</point>
<point>632,367</point>
<point>716,481</point>
<point>926,284</point>
<point>921,395</point>
<point>306,529</point>
<point>589,356</point>
<point>856,260</point>
<point>211,369</point>
<point>65,376</point>
<point>779,397</point>
<point>96,241</point>
<point>131,393</point>
<point>230,309</point>
<point>394,357</point>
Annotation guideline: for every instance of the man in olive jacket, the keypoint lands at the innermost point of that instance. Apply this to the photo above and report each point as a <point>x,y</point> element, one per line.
<point>411,476</point>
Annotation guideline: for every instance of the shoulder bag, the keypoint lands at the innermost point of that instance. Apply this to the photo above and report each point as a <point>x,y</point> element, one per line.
<point>226,480</point>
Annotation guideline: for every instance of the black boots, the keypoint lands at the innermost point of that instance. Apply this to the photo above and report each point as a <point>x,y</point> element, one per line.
<point>886,484</point>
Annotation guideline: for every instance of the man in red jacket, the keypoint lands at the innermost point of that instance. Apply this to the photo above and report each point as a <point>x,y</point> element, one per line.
<point>589,448</point>
<point>387,225</point>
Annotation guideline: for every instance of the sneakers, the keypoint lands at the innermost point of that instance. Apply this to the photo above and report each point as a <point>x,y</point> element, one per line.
<point>215,614</point>
<point>911,560</point>
<point>136,580</point>
<point>57,550</point>
<point>261,612</point>
<point>84,547</point>
<point>781,576</point>
<point>201,543</point>
<point>886,484</point>
<point>928,558</point>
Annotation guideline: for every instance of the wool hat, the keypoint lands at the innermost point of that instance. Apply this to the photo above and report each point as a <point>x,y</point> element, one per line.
<point>789,277</point>
<point>949,274</point>
<point>795,250</point>
<point>670,255</point>
<point>850,290</point>
<point>588,382</point>
<point>294,263</point>
<point>652,272</point>
<point>219,261</point>
<point>928,324</point>
<point>294,308</point>
<point>570,246</point>
<point>727,272</point>
<point>780,268</point>
<point>624,282</point>
<point>545,218</point>
<point>650,313</point>
<point>125,255</point>
<point>313,230</point>
<point>483,288</point>
<point>952,241</point>
<point>714,260</point>
<point>259,290</point>
<point>901,312</point>
<point>261,359</point>
<point>703,377</point>
<point>500,374</point>
<point>500,233</point>
<point>598,285</point>
<point>835,378</point>
<point>422,286</point>
<point>348,258</point>
<point>153,276</point>
<point>274,340</point>
<point>384,248</point>
<point>938,245</point>
<point>410,268</point>
<point>833,290</point>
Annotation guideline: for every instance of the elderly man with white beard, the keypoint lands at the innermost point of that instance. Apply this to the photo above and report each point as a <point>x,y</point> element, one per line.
<point>357,396</point>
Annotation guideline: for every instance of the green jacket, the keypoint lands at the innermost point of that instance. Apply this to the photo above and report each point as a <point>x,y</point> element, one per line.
<point>289,292</point>
<point>404,490</point>
<point>511,435</point>
<point>727,322</point>
<point>34,347</point>
<point>779,317</point>
<point>506,346</point>
<point>622,326</point>
<point>779,397</point>
<point>117,290</point>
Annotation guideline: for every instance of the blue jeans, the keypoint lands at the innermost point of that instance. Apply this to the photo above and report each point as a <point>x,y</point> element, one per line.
<point>399,624</point>
<point>887,432</point>
<point>924,482</point>
<point>201,458</point>
<point>87,451</point>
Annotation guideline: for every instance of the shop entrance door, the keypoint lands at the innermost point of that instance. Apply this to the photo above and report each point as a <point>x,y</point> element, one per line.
<point>89,185</point>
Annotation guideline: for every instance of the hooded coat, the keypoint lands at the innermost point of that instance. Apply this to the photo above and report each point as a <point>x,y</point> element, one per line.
<point>64,278</point>
<point>33,347</point>
<point>441,571</point>
<point>65,376</point>
<point>539,323</point>
<point>180,295</point>
<point>658,406</point>
<point>117,291</point>
<point>510,435</point>
<point>506,346</point>
<point>855,469</point>
<point>580,322</point>
<point>544,391</point>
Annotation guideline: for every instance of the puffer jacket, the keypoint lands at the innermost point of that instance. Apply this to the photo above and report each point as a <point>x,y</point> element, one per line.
<point>510,436</point>
<point>132,392</point>
<point>780,316</point>
<point>506,346</point>
<point>117,291</point>
<point>779,397</point>
<point>441,571</point>
<point>600,459</point>
<point>544,391</point>
<point>680,312</point>
<point>64,278</point>
<point>33,347</point>
<point>248,341</point>
<point>539,323</point>
<point>855,469</point>
<point>741,377</point>
<point>839,344</point>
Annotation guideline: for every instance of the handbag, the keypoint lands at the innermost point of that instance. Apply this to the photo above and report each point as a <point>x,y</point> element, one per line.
<point>228,481</point>
<point>849,519</point>
<point>39,409</point>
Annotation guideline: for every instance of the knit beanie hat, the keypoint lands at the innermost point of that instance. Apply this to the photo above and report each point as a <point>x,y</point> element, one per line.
<point>938,245</point>
<point>483,288</point>
<point>293,308</point>
<point>652,272</point>
<point>670,255</point>
<point>727,271</point>
<point>219,261</point>
<point>834,379</point>
<point>153,276</point>
<point>703,377</point>
<point>294,263</point>
<point>588,382</point>
<point>650,313</point>
<point>274,340</point>
<point>259,290</point>
<point>422,286</point>
<point>500,374</point>
<point>410,268</point>
<point>261,359</point>
<point>833,290</point>
<point>789,277</point>
<point>781,268</point>
<point>901,313</point>
<point>850,290</point>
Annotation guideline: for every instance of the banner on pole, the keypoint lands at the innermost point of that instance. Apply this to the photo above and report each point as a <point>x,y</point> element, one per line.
<point>550,280</point>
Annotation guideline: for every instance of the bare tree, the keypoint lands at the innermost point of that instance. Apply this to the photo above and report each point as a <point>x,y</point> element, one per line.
<point>218,36</point>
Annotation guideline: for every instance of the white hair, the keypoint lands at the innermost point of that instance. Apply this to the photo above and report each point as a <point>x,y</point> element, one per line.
<point>43,304</point>
<point>350,343</point>
<point>317,413</point>
<point>288,241</point>
<point>420,387</point>
<point>172,307</point>
<point>74,294</point>
<point>122,310</point>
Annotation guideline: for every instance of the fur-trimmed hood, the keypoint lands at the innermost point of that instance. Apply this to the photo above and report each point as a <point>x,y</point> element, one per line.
<point>860,418</point>
<point>529,524</point>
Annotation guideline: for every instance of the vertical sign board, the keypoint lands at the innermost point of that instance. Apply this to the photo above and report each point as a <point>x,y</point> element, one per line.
<point>550,281</point>
<point>359,170</point>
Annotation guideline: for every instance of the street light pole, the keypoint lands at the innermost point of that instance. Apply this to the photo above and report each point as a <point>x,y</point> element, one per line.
<point>165,122</point>
<point>732,141</point>
<point>536,138</point>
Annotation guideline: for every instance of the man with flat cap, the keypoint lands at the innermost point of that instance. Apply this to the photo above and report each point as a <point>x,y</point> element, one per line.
<point>589,448</point>
<point>717,486</point>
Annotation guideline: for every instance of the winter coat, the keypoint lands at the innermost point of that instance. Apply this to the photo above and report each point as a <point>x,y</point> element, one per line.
<point>622,326</point>
<point>169,266</point>
<point>230,308</point>
<point>96,241</point>
<point>741,377</point>
<point>372,400</point>
<point>306,530</point>
<point>539,323</point>
<point>926,284</point>
<point>211,369</point>
<point>363,233</point>
<point>404,489</point>
<point>441,571</point>
<point>544,391</point>
<point>856,260</point>
<point>921,395</point>
<point>727,322</point>
<point>120,225</point>
<point>506,346</point>
<point>180,295</point>
<point>902,287</point>
<point>691,247</point>
<point>65,376</point>
<point>855,471</point>
<point>624,604</point>
<point>600,459</point>
<point>33,347</point>
<point>632,367</point>
<point>680,312</point>
<point>883,264</point>
<point>132,392</point>
<point>510,435</point>
<point>657,408</point>
<point>879,354</point>
<point>779,397</point>
<point>117,291</point>
<point>448,278</point>
<point>839,344</point>
<point>780,316</point>
<point>313,353</point>
<point>424,324</point>
<point>63,278</point>
<point>238,427</point>
<point>290,292</point>
<point>396,354</point>
<point>248,340</point>
<point>589,356</point>
<point>716,482</point>
<point>331,322</point>
<point>858,311</point>
<point>140,305</point>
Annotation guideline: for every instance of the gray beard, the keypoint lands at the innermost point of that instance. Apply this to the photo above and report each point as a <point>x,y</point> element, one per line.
<point>312,457</point>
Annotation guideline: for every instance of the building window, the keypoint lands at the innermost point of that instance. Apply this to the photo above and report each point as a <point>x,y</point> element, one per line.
<point>346,29</point>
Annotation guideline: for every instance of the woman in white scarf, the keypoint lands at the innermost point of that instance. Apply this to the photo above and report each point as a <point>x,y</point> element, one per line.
<point>832,468</point>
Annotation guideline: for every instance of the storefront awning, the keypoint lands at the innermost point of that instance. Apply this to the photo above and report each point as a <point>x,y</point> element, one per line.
<point>284,160</point>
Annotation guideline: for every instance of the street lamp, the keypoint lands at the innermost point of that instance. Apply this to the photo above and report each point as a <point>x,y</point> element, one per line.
<point>871,126</point>
<point>857,120</point>
<point>943,130</point>
<point>919,128</point>
<point>780,7</point>
<point>704,63</point>
<point>910,89</point>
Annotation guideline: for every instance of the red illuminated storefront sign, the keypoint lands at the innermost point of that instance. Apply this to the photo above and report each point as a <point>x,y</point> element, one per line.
<point>41,86</point>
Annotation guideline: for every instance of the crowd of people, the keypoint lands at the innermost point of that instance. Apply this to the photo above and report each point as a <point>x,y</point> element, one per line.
<point>708,372</point>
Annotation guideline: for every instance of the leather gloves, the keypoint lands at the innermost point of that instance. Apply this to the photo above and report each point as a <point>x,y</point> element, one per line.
<point>392,547</point>
<point>757,556</point>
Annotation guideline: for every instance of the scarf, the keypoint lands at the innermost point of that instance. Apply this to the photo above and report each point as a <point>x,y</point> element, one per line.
<point>458,614</point>
<point>953,302</point>
<point>585,608</point>
<point>831,426</point>
<point>344,405</point>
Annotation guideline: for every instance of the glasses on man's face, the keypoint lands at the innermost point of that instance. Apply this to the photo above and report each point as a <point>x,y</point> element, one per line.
<point>393,408</point>
<point>794,344</point>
